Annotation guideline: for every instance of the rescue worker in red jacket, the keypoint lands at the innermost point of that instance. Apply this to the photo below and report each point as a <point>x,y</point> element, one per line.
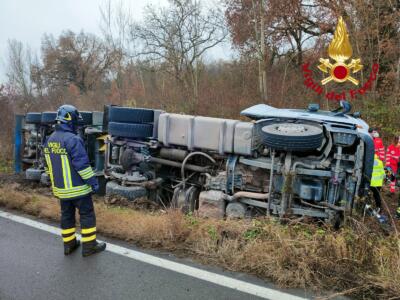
<point>378,144</point>
<point>392,161</point>
<point>73,181</point>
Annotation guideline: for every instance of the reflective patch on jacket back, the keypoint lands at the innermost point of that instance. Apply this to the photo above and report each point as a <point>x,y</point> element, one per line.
<point>55,148</point>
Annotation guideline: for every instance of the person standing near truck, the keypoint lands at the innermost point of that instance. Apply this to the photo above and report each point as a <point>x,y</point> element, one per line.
<point>378,175</point>
<point>73,181</point>
<point>378,144</point>
<point>392,161</point>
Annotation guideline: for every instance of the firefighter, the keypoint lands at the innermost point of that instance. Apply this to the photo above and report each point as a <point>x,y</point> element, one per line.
<point>73,181</point>
<point>392,160</point>
<point>378,175</point>
<point>378,144</point>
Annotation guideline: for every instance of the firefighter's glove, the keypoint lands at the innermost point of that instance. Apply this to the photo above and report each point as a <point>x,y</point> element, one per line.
<point>92,181</point>
<point>95,188</point>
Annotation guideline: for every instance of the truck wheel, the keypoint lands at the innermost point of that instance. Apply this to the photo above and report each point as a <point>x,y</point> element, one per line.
<point>87,118</point>
<point>33,118</point>
<point>292,137</point>
<point>130,115</point>
<point>130,130</point>
<point>335,219</point>
<point>33,174</point>
<point>45,179</point>
<point>236,210</point>
<point>48,117</point>
<point>129,192</point>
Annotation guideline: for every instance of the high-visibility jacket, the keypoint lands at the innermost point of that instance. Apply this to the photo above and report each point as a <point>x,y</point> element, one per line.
<point>378,173</point>
<point>68,164</point>
<point>393,157</point>
<point>379,148</point>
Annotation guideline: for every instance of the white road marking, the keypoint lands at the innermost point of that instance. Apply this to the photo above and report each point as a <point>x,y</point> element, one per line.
<point>214,278</point>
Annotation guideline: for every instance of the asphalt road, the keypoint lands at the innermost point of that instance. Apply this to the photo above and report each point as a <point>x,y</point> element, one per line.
<point>32,266</point>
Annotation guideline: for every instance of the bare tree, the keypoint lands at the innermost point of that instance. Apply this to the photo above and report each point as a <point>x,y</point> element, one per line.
<point>18,69</point>
<point>258,14</point>
<point>177,37</point>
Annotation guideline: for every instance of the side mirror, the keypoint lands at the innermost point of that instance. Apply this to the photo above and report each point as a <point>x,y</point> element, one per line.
<point>357,114</point>
<point>313,107</point>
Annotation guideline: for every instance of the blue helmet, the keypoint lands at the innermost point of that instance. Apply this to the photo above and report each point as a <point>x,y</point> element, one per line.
<point>68,114</point>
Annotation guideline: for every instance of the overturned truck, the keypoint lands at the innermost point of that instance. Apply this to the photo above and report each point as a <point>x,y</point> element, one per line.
<point>282,162</point>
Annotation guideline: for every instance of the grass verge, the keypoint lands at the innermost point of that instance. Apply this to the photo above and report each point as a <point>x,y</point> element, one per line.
<point>356,260</point>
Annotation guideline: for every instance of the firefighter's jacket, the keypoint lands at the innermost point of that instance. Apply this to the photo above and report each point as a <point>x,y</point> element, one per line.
<point>68,164</point>
<point>378,173</point>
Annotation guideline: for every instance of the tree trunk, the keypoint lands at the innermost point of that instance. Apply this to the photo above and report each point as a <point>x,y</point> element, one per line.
<point>264,94</point>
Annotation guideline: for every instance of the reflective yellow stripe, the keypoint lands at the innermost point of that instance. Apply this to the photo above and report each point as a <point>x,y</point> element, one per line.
<point>68,239</point>
<point>88,230</point>
<point>72,196</point>
<point>48,161</point>
<point>68,171</point>
<point>66,231</point>
<point>89,238</point>
<point>64,171</point>
<point>73,190</point>
<point>84,177</point>
<point>86,171</point>
<point>70,193</point>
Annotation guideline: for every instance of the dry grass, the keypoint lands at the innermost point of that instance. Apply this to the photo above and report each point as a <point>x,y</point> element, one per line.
<point>356,260</point>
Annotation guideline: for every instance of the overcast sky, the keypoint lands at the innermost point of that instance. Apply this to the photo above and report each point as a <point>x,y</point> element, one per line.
<point>28,20</point>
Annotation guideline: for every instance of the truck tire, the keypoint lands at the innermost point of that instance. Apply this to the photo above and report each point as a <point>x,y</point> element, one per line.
<point>33,174</point>
<point>129,192</point>
<point>45,179</point>
<point>130,130</point>
<point>48,117</point>
<point>87,118</point>
<point>236,210</point>
<point>130,115</point>
<point>292,137</point>
<point>33,118</point>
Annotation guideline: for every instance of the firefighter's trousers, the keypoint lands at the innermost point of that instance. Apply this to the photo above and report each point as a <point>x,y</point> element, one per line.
<point>87,219</point>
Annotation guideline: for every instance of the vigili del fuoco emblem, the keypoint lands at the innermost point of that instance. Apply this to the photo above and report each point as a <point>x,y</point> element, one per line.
<point>340,67</point>
<point>340,51</point>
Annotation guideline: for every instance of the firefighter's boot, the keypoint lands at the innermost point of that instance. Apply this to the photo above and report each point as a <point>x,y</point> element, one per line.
<point>92,247</point>
<point>71,246</point>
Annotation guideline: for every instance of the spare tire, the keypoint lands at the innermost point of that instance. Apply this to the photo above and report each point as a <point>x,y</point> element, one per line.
<point>87,118</point>
<point>48,117</point>
<point>130,115</point>
<point>130,130</point>
<point>33,118</point>
<point>292,136</point>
